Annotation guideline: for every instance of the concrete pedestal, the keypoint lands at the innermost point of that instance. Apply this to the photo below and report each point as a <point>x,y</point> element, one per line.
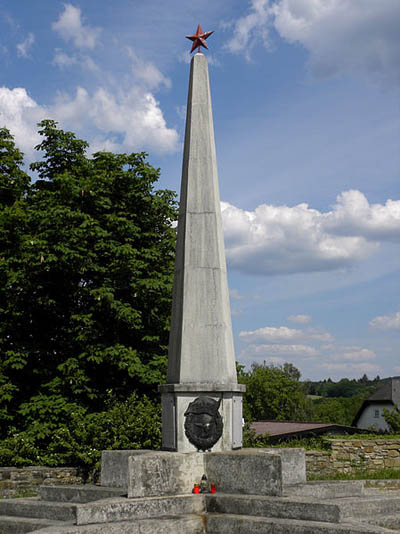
<point>175,400</point>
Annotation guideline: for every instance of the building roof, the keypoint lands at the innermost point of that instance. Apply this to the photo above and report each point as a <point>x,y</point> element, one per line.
<point>389,392</point>
<point>278,430</point>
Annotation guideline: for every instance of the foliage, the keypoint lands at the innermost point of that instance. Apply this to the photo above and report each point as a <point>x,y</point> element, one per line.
<point>86,263</point>
<point>339,411</point>
<point>363,387</point>
<point>272,393</point>
<point>392,417</point>
<point>79,440</point>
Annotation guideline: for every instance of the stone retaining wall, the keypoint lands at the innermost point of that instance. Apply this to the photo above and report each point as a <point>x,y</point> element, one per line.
<point>25,481</point>
<point>349,455</point>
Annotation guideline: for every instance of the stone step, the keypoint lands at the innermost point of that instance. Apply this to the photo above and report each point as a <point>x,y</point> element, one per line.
<point>281,507</point>
<point>368,506</point>
<point>20,525</point>
<point>240,524</point>
<point>190,524</point>
<point>78,494</point>
<point>113,510</point>
<point>387,521</point>
<point>33,507</point>
<point>327,489</point>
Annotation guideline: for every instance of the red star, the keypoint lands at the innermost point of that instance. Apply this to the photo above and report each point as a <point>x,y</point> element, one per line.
<point>199,39</point>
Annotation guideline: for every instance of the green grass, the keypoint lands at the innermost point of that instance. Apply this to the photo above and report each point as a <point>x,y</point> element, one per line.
<point>361,474</point>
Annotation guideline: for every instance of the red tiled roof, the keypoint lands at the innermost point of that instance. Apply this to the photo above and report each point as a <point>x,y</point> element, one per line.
<point>279,428</point>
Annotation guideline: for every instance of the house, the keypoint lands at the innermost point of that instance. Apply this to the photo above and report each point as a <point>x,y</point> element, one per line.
<point>370,415</point>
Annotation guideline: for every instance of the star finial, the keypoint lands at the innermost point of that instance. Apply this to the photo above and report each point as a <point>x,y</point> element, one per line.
<point>199,39</point>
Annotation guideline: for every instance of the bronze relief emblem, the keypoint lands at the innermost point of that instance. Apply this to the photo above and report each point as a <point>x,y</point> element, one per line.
<point>203,423</point>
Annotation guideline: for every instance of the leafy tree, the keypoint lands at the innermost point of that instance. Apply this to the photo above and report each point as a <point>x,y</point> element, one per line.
<point>392,417</point>
<point>86,267</point>
<point>273,394</point>
<point>340,410</point>
<point>134,423</point>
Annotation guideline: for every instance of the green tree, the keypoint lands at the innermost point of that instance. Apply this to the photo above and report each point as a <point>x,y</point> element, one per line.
<point>85,281</point>
<point>273,394</point>
<point>392,417</point>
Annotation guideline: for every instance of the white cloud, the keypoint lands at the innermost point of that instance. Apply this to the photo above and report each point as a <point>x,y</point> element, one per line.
<point>249,29</point>
<point>342,36</point>
<point>299,319</point>
<point>386,322</point>
<point>125,120</point>
<point>61,59</point>
<point>20,113</point>
<point>147,72</point>
<point>353,215</point>
<point>70,27</point>
<point>351,370</point>
<point>359,355</point>
<point>23,48</point>
<point>283,239</point>
<point>286,350</point>
<point>283,333</point>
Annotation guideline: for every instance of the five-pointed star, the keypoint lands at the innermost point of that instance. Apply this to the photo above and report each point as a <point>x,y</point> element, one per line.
<point>199,38</point>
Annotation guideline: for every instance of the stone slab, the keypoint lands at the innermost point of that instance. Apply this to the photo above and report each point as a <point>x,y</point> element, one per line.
<point>190,524</point>
<point>327,490</point>
<point>293,463</point>
<point>115,510</point>
<point>281,507</point>
<point>235,524</point>
<point>159,474</point>
<point>78,494</point>
<point>114,467</point>
<point>33,507</point>
<point>244,472</point>
<point>20,525</point>
<point>368,506</point>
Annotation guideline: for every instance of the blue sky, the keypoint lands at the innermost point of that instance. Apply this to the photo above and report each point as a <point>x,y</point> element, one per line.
<point>307,125</point>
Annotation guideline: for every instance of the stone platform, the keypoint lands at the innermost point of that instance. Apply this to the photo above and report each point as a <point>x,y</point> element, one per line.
<point>254,494</point>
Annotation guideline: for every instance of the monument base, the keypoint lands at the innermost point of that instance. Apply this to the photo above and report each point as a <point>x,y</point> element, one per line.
<point>163,473</point>
<point>175,400</point>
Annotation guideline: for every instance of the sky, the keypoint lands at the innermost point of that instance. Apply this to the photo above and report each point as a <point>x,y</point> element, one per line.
<point>306,106</point>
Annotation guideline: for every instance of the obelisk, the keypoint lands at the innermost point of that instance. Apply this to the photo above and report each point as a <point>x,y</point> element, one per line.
<point>202,396</point>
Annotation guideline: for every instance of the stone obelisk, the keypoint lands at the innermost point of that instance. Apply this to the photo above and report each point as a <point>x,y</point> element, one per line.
<point>201,361</point>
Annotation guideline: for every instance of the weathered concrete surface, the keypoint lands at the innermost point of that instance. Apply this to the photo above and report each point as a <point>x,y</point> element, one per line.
<point>243,472</point>
<point>20,525</point>
<point>33,507</point>
<point>160,474</point>
<point>201,343</point>
<point>201,360</point>
<point>327,489</point>
<point>235,524</point>
<point>273,507</point>
<point>78,494</point>
<point>114,467</point>
<point>190,524</point>
<point>368,506</point>
<point>293,463</point>
<point>115,510</point>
